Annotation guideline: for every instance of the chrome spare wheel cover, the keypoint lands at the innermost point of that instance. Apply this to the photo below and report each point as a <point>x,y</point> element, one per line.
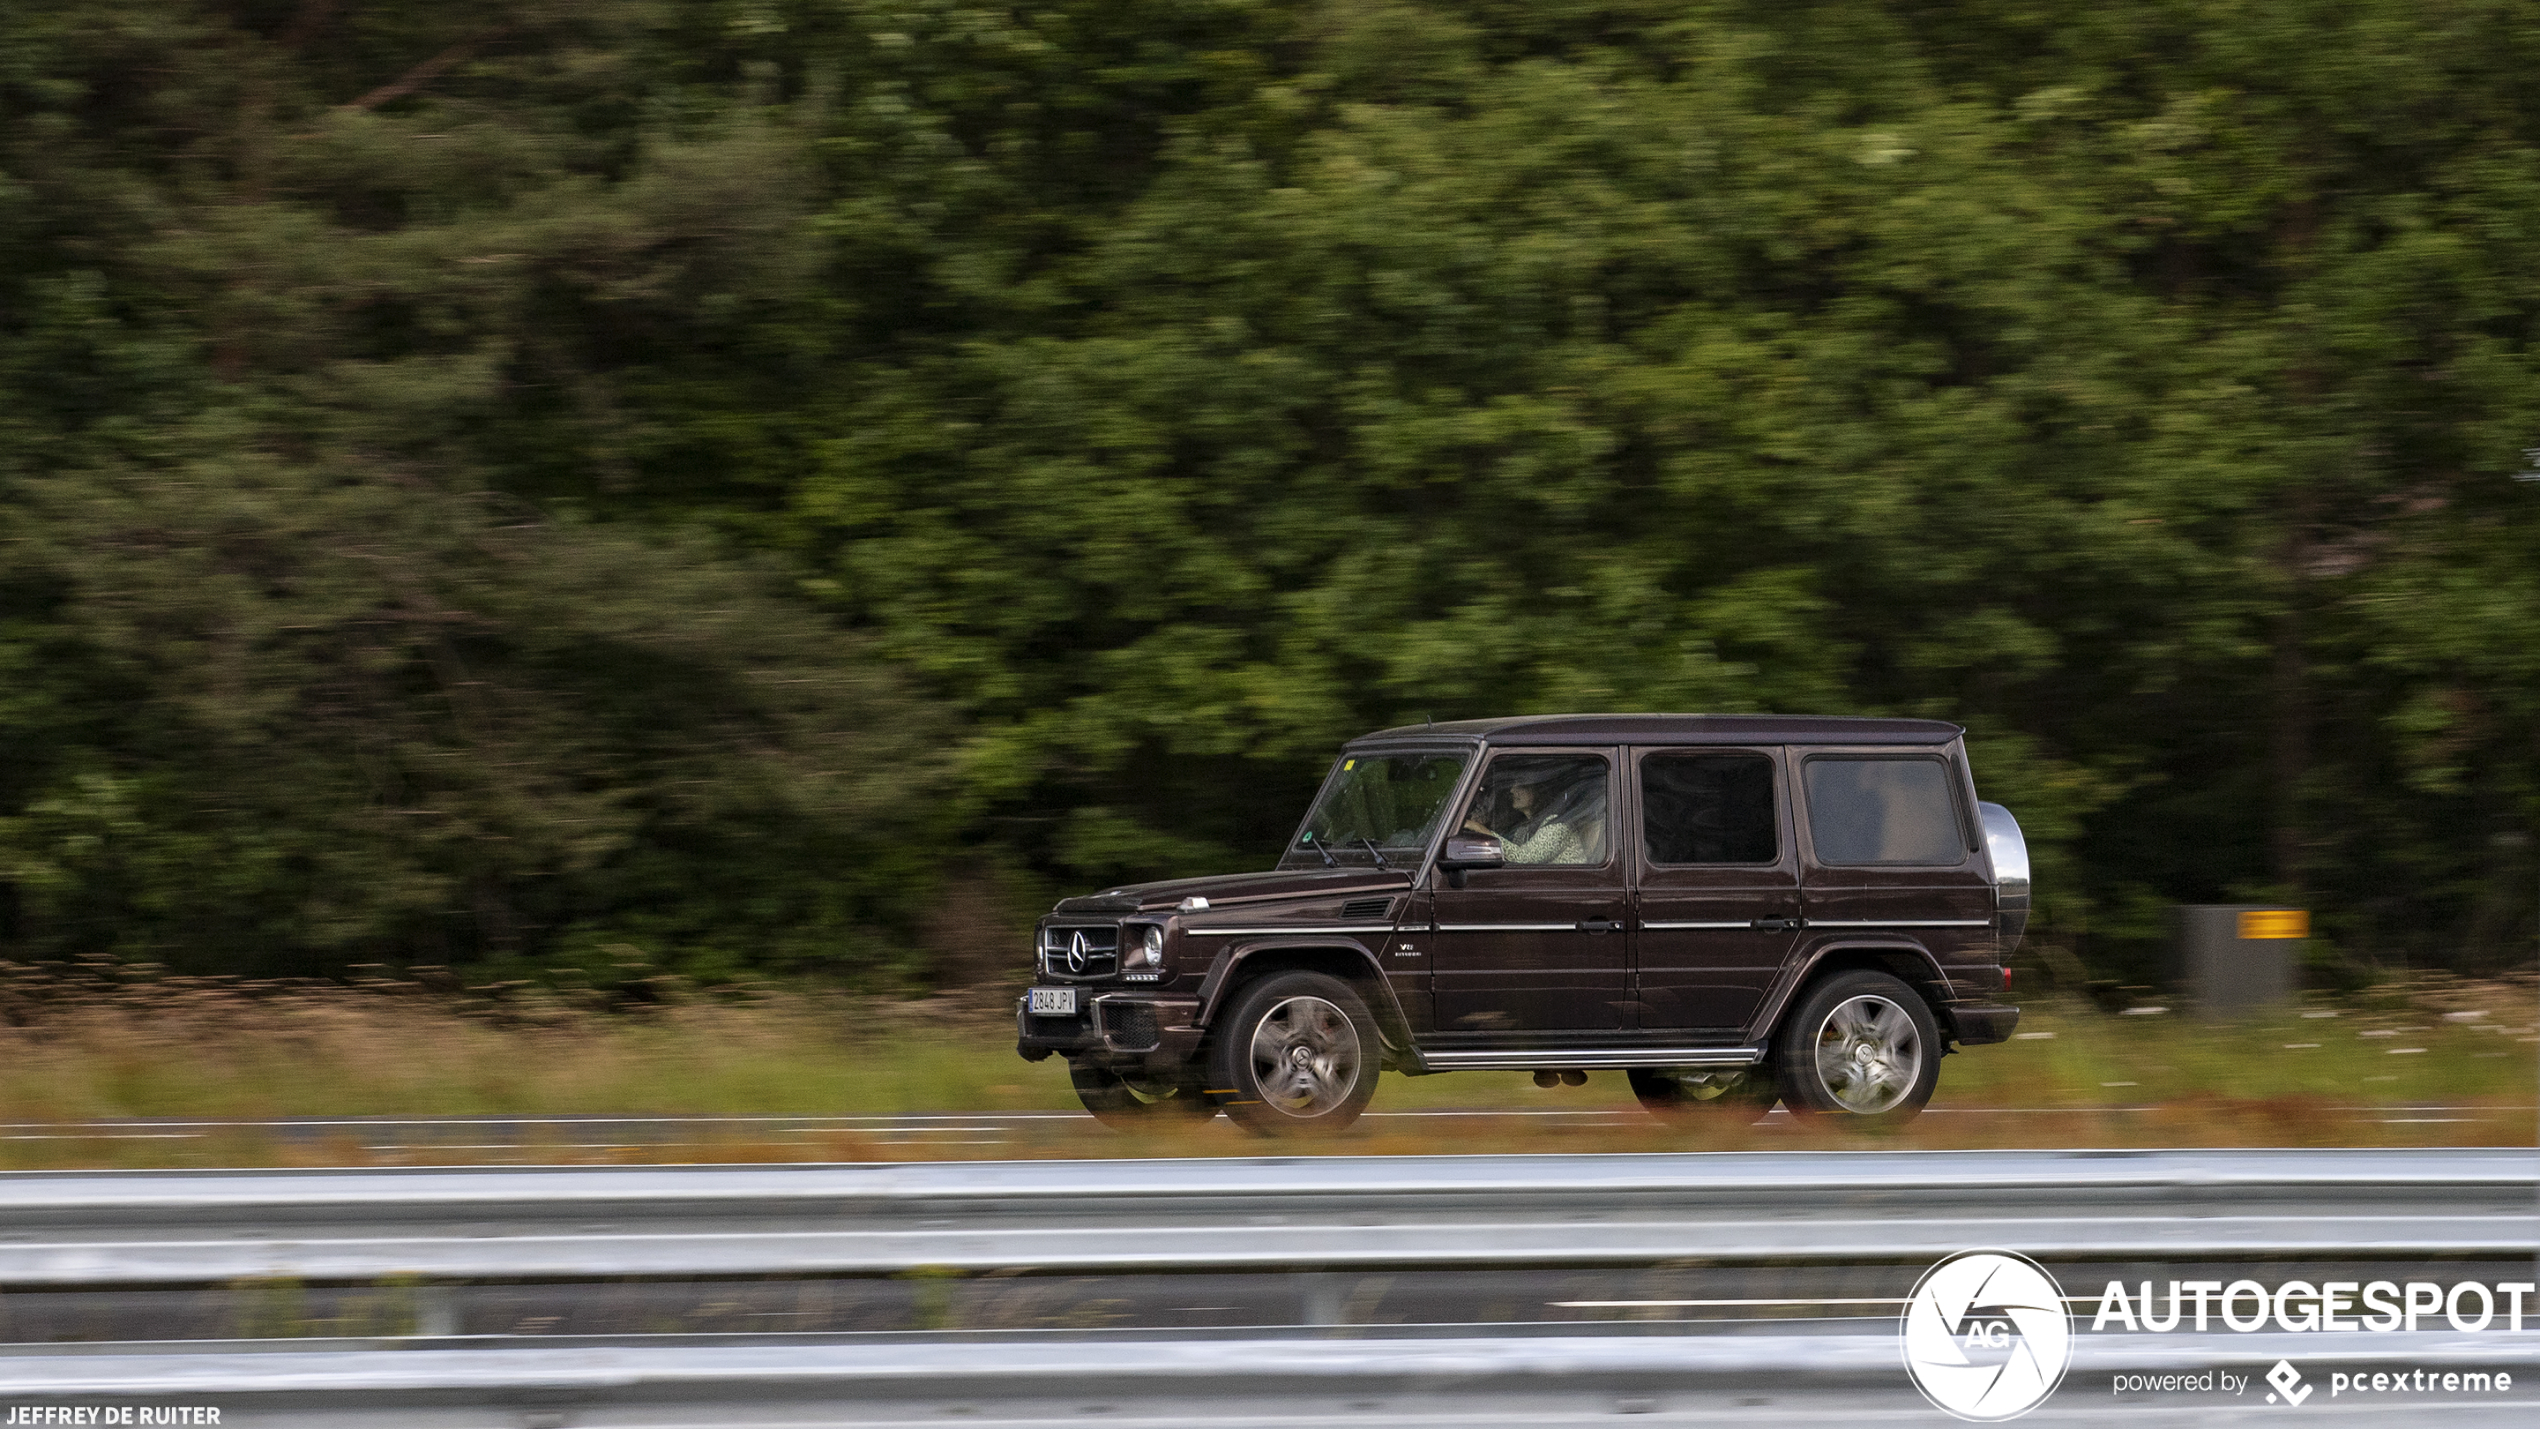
<point>1868,1054</point>
<point>1305,1056</point>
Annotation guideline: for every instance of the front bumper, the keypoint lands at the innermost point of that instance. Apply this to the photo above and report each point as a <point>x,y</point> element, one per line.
<point>1127,1031</point>
<point>1975,1023</point>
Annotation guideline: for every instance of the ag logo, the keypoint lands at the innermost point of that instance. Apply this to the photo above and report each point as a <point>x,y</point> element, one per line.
<point>1076,953</point>
<point>1986,1335</point>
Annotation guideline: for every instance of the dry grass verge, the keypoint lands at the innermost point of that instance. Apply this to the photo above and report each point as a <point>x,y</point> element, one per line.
<point>84,1052</point>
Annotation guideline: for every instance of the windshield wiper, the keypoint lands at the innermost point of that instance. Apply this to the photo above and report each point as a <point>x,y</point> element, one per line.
<point>1374,852</point>
<point>1317,845</point>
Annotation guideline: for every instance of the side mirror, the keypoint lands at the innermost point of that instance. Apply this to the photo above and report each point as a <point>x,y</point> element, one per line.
<point>1464,853</point>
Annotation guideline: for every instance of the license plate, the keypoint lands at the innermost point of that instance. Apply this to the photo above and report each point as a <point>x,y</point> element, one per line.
<point>1053,1002</point>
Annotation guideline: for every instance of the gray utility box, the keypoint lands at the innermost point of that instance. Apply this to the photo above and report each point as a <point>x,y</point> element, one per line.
<point>2238,957</point>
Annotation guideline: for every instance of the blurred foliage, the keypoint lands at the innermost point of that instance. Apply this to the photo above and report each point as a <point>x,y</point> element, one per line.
<point>405,413</point>
<point>297,675</point>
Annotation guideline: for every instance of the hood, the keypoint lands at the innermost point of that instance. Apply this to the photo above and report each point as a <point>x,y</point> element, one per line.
<point>1237,888</point>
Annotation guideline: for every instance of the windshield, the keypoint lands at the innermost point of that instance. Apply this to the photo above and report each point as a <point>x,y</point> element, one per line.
<point>1394,799</point>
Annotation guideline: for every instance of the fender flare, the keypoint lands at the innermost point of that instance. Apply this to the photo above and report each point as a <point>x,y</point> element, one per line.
<point>1223,976</point>
<point>1777,1002</point>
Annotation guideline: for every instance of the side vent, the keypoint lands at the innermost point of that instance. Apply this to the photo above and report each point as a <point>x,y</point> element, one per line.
<point>1357,908</point>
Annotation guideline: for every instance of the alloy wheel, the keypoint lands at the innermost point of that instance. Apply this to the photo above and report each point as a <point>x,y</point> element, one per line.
<point>1305,1056</point>
<point>1869,1054</point>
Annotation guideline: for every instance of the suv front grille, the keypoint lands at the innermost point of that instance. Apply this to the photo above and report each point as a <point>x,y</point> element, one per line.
<point>1080,951</point>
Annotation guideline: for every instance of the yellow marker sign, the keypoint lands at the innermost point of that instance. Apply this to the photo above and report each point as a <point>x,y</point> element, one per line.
<point>2276,923</point>
<point>1348,765</point>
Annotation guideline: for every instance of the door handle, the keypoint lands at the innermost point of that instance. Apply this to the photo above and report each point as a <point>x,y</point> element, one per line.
<point>1600,925</point>
<point>1778,925</point>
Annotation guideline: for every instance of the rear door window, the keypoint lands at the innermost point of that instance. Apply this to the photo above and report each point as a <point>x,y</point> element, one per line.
<point>1708,808</point>
<point>1874,811</point>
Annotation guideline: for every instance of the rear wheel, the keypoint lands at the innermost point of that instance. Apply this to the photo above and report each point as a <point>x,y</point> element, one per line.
<point>1296,1055</point>
<point>1706,1094</point>
<point>1861,1049</point>
<point>1137,1103</point>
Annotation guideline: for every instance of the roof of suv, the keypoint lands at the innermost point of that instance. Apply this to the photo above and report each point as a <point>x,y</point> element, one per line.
<point>1681,729</point>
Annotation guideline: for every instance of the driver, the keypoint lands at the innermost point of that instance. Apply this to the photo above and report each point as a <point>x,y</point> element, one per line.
<point>1528,839</point>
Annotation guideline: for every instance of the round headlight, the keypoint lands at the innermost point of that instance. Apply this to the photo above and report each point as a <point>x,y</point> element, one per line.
<point>1146,950</point>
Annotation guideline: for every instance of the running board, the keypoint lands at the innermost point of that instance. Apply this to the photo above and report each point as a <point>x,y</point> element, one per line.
<point>1523,1058</point>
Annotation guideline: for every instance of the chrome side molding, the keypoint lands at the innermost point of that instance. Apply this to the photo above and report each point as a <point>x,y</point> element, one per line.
<point>1601,1058</point>
<point>1315,928</point>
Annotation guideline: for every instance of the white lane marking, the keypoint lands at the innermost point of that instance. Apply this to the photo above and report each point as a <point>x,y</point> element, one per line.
<point>106,1136</point>
<point>1674,1304</point>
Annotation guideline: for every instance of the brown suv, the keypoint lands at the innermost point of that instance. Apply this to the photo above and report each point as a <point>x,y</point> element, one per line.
<point>1735,910</point>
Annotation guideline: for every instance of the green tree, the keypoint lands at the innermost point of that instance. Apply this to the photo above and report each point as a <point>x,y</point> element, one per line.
<point>1167,392</point>
<point>301,305</point>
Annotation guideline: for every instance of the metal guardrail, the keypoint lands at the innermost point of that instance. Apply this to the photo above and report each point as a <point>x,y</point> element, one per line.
<point>1363,1382</point>
<point>68,1229</point>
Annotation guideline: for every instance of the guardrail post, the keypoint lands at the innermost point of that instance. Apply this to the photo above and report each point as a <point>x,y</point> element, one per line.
<point>436,1310</point>
<point>1321,1291</point>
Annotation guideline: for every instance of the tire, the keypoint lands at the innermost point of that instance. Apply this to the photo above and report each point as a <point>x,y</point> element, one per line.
<point>1296,1055</point>
<point>1697,1095</point>
<point>1135,1104</point>
<point>1861,1049</point>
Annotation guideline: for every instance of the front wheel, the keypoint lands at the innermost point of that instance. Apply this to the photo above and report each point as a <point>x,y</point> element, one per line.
<point>1296,1055</point>
<point>1861,1048</point>
<point>1721,1095</point>
<point>1134,1104</point>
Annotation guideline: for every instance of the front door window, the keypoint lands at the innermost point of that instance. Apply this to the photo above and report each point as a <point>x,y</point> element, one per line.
<point>1543,808</point>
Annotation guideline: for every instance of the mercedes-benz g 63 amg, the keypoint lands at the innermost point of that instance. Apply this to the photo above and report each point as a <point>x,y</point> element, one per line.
<point>1734,910</point>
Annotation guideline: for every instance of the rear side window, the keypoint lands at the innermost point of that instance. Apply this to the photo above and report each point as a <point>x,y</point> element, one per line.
<point>1708,808</point>
<point>1882,811</point>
